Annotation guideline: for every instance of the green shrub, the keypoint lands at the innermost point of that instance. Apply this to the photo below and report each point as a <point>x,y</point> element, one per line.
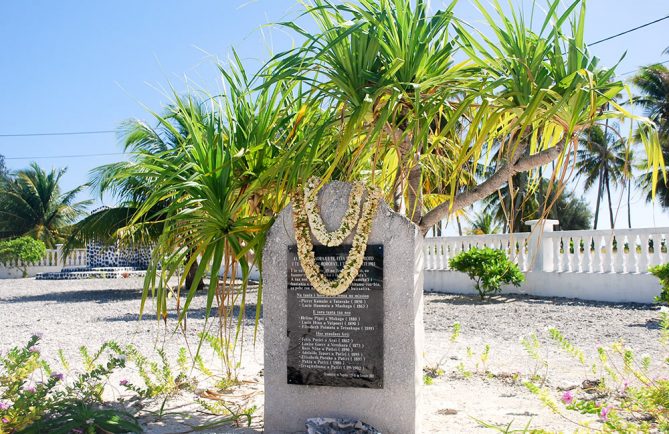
<point>34,399</point>
<point>662,273</point>
<point>488,268</point>
<point>20,252</point>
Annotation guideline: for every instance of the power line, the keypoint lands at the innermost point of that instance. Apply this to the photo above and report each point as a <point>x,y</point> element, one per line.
<point>629,31</point>
<point>69,133</point>
<point>638,69</point>
<point>64,156</point>
<point>78,133</point>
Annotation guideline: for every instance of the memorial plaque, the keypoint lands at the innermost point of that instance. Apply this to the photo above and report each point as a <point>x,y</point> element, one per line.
<point>336,340</point>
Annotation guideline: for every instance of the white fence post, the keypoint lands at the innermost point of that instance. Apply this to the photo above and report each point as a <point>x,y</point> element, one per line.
<point>574,264</point>
<point>540,250</point>
<point>59,254</point>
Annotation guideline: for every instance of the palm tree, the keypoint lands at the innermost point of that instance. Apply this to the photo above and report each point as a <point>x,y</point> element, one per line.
<point>602,159</point>
<point>483,223</point>
<point>3,169</point>
<point>32,204</point>
<point>653,85</point>
<point>628,172</point>
<point>540,199</point>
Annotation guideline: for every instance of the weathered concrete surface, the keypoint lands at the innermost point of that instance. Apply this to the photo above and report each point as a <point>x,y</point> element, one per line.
<point>393,409</point>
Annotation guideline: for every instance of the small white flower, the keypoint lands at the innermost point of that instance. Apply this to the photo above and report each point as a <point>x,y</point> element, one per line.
<point>90,421</point>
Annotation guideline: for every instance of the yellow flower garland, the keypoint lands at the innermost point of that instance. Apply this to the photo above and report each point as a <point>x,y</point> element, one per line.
<point>350,219</point>
<point>305,250</point>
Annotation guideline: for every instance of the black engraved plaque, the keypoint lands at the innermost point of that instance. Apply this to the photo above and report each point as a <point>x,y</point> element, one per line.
<point>336,340</point>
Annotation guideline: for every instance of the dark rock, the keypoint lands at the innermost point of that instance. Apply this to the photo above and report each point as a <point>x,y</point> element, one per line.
<point>327,425</point>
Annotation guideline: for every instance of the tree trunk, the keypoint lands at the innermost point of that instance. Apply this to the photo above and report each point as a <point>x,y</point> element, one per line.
<point>520,180</point>
<point>397,190</point>
<point>457,219</point>
<point>600,193</point>
<point>515,164</point>
<point>190,277</point>
<point>414,192</point>
<point>608,193</point>
<point>629,202</point>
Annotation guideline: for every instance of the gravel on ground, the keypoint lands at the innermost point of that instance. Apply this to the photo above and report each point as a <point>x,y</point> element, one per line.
<point>477,386</point>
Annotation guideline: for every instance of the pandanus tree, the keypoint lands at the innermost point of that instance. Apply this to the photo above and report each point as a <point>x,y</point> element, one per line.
<point>32,204</point>
<point>205,185</point>
<point>131,182</point>
<point>374,94</point>
<point>387,70</point>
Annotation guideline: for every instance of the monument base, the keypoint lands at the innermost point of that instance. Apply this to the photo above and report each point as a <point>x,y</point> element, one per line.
<point>393,408</point>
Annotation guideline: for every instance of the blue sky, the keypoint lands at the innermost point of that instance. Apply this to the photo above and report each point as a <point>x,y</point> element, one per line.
<point>85,66</point>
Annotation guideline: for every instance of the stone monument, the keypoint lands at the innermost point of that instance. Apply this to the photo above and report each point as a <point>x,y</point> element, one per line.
<point>357,355</point>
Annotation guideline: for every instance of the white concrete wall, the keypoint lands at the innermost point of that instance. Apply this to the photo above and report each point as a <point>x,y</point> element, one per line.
<point>15,273</point>
<point>52,261</point>
<point>604,265</point>
<point>609,287</point>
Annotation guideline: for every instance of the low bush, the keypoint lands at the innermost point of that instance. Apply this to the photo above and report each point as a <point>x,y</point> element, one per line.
<point>662,273</point>
<point>35,399</point>
<point>488,268</point>
<point>620,391</point>
<point>20,252</point>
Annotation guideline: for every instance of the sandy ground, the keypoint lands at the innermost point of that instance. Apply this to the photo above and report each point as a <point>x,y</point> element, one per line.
<point>472,389</point>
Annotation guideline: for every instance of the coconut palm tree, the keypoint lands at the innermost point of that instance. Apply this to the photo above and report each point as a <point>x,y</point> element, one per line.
<point>603,159</point>
<point>31,204</point>
<point>540,199</point>
<point>483,223</point>
<point>652,83</point>
<point>3,169</point>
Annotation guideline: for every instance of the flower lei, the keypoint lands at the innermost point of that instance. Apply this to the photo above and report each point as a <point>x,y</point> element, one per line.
<point>305,251</point>
<point>349,221</point>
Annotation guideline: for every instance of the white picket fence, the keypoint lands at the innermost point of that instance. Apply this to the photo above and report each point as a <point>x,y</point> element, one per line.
<point>51,262</point>
<point>604,265</point>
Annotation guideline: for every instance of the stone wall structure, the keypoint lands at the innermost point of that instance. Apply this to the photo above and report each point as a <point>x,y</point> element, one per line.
<point>99,255</point>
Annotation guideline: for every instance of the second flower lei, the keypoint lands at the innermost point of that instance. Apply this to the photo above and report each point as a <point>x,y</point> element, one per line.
<point>348,222</point>
<point>305,250</point>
